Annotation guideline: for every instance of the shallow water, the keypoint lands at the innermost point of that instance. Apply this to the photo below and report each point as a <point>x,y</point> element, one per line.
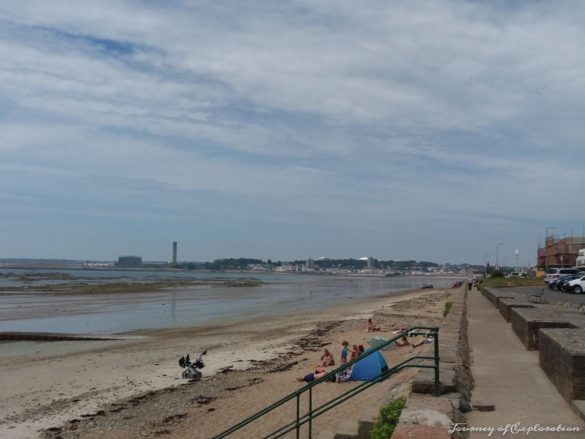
<point>188,306</point>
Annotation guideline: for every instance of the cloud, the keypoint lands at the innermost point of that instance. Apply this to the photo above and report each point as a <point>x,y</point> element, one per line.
<point>416,115</point>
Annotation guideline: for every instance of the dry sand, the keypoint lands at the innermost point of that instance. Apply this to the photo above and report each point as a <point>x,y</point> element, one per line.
<point>132,387</point>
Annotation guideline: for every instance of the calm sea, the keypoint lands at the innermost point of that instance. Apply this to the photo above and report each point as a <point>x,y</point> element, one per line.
<point>176,307</point>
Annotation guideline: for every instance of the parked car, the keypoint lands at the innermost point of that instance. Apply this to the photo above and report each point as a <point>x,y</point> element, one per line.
<point>555,273</point>
<point>577,285</point>
<point>562,284</point>
<point>555,284</point>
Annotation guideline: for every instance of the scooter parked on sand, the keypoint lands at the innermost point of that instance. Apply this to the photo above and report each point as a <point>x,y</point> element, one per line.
<point>192,369</point>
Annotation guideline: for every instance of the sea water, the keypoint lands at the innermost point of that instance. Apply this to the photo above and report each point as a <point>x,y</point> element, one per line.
<point>183,306</point>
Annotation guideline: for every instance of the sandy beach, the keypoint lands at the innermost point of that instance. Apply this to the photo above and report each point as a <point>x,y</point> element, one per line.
<point>131,387</point>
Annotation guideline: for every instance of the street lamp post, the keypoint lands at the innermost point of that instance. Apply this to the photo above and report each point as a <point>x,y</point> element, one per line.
<point>498,255</point>
<point>485,259</point>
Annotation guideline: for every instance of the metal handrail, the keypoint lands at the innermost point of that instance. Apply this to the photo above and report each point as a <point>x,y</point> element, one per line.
<point>313,413</point>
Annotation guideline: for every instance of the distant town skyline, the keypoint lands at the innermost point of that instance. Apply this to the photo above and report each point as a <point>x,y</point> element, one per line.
<point>323,265</point>
<point>442,131</point>
<point>309,261</point>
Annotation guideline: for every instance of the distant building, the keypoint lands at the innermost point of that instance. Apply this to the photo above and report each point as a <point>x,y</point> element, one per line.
<point>258,267</point>
<point>174,252</point>
<point>129,262</point>
<point>310,264</point>
<point>284,268</point>
<point>559,252</point>
<point>370,262</point>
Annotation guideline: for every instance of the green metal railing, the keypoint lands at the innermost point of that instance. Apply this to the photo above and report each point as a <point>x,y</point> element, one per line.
<point>307,418</point>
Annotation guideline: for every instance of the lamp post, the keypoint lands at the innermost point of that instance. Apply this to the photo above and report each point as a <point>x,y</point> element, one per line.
<point>485,259</point>
<point>498,255</point>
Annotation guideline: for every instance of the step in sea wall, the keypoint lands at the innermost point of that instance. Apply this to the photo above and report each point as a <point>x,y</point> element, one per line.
<point>562,358</point>
<point>505,306</point>
<point>494,295</point>
<point>527,322</point>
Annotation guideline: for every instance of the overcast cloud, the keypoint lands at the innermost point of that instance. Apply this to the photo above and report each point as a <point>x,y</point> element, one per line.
<point>427,130</point>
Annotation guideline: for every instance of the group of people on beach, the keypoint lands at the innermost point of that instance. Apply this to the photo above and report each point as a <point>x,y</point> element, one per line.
<point>347,354</point>
<point>371,327</point>
<point>355,351</point>
<point>327,359</point>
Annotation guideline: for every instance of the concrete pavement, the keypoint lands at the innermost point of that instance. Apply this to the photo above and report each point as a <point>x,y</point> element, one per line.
<point>509,377</point>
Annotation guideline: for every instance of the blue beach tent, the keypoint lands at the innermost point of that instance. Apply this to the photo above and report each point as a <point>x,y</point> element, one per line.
<point>369,368</point>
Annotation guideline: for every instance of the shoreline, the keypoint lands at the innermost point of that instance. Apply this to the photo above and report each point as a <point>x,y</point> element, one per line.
<point>88,336</point>
<point>88,375</point>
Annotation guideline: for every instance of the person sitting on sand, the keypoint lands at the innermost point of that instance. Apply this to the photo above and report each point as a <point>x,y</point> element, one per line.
<point>354,352</point>
<point>344,351</point>
<point>426,340</point>
<point>372,327</point>
<point>361,349</point>
<point>327,359</point>
<point>310,377</point>
<point>402,342</point>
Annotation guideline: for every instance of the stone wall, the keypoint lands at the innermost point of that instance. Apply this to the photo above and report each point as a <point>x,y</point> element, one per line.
<point>562,358</point>
<point>494,295</point>
<point>426,415</point>
<point>505,306</point>
<point>527,322</point>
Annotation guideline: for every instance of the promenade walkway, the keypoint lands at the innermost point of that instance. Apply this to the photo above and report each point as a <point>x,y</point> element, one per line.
<point>509,377</point>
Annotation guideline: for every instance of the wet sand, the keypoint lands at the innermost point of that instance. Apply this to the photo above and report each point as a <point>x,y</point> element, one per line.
<point>132,387</point>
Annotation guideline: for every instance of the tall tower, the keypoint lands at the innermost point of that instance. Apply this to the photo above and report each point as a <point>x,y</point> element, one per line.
<point>174,252</point>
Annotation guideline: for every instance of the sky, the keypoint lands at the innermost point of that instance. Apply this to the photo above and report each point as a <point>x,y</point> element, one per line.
<point>445,131</point>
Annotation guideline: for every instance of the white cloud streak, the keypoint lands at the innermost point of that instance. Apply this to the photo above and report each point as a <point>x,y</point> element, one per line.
<point>310,112</point>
